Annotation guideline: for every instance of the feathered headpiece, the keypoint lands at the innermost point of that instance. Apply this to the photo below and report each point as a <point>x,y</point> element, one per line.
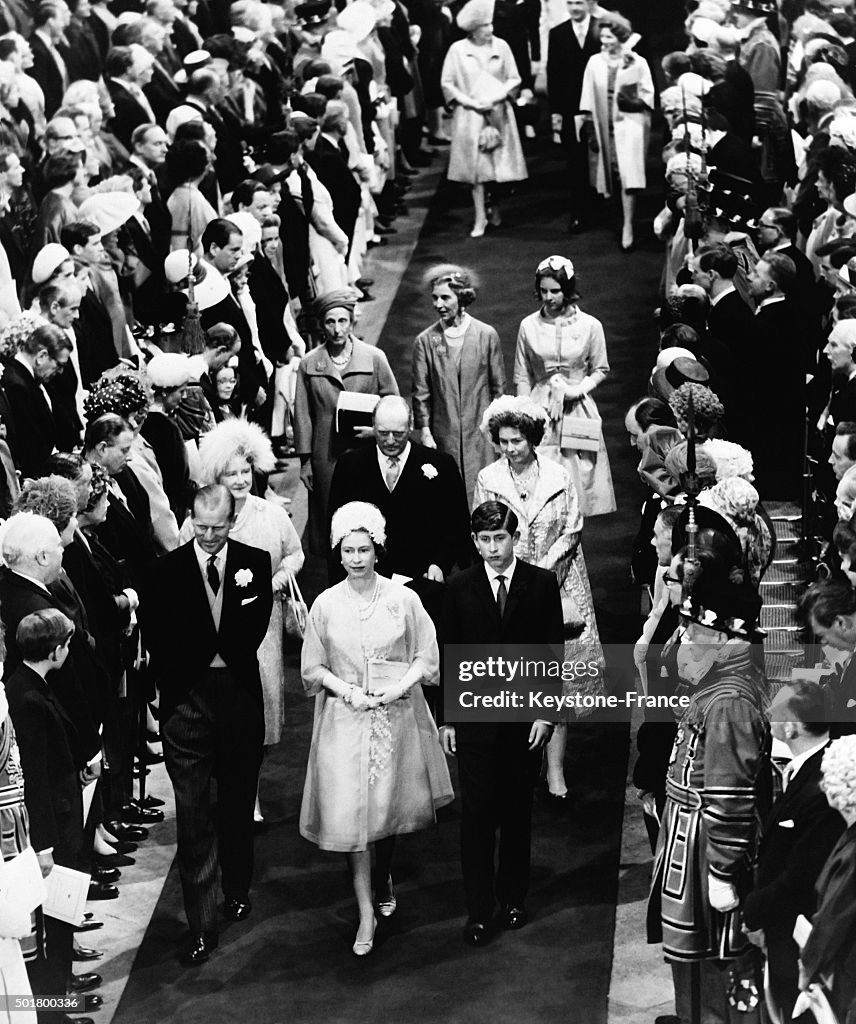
<point>512,405</point>
<point>230,439</point>
<point>358,516</point>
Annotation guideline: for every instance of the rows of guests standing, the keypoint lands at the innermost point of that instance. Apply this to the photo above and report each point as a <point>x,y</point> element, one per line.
<point>754,351</point>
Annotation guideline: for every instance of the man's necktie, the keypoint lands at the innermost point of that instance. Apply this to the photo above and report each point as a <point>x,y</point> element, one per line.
<point>787,775</point>
<point>212,574</point>
<point>501,595</point>
<point>306,193</point>
<point>391,474</point>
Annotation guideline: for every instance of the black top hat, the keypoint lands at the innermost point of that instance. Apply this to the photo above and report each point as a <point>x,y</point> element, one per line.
<point>680,371</point>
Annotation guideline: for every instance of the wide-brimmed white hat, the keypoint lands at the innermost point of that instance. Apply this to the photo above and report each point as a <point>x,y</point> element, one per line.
<point>109,210</point>
<point>48,260</point>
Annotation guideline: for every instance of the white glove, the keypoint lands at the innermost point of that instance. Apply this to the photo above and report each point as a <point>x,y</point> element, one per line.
<point>722,896</point>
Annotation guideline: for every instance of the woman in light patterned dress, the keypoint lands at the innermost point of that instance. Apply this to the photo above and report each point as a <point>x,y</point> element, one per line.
<point>544,499</point>
<point>229,454</point>
<point>376,769</point>
<point>560,360</point>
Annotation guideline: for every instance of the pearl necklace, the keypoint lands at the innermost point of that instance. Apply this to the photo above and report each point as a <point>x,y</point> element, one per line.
<point>345,357</point>
<point>365,610</point>
<point>524,482</point>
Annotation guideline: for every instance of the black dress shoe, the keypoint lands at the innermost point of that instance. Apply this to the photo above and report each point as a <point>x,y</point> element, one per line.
<point>574,225</point>
<point>83,953</point>
<point>151,801</point>
<point>102,892</point>
<point>92,1002</point>
<point>126,833</point>
<point>106,876</point>
<point>514,917</point>
<point>366,296</point>
<point>237,910</point>
<point>435,140</point>
<point>200,949</point>
<point>364,282</point>
<point>477,934</point>
<point>84,982</point>
<point>141,815</point>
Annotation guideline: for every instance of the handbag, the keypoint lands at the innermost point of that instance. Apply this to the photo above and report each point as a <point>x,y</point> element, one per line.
<point>489,138</point>
<point>296,611</point>
<point>581,433</point>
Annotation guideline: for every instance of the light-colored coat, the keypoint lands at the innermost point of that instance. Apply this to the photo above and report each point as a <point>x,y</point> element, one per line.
<point>465,79</point>
<point>451,402</point>
<point>631,129</point>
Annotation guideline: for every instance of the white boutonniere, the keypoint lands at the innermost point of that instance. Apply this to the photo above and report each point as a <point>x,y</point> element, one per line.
<point>429,471</point>
<point>243,577</point>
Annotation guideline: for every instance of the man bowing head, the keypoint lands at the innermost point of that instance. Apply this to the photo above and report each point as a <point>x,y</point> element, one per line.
<point>205,610</point>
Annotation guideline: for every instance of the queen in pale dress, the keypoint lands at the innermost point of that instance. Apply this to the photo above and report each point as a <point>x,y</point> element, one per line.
<point>375,767</point>
<point>544,499</point>
<point>229,454</point>
<point>559,361</point>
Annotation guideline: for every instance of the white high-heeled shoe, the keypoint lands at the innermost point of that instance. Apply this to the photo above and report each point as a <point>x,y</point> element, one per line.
<point>364,948</point>
<point>478,230</point>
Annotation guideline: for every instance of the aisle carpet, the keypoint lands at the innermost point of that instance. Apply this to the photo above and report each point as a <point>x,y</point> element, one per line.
<point>291,961</point>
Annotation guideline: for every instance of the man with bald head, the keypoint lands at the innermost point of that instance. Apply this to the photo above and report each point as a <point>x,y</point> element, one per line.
<point>421,494</point>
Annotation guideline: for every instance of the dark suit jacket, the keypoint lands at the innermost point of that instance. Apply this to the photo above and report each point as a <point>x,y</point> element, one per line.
<point>533,615</point>
<point>734,98</point>
<point>333,171</point>
<point>566,64</point>
<point>162,93</point>
<point>790,859</point>
<point>147,297</point>
<point>18,598</point>
<point>46,739</point>
<point>129,113</point>
<point>47,74</point>
<point>93,333</point>
<point>271,297</point>
<point>251,373</point>
<point>35,429</point>
<point>179,630</point>
<point>62,390</point>
<point>127,532</point>
<point>427,518</point>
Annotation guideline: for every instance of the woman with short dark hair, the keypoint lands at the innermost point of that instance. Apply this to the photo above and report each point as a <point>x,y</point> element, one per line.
<point>457,371</point>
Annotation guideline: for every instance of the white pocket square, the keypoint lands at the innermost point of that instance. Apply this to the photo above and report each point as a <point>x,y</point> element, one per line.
<point>787,824</point>
<point>249,600</point>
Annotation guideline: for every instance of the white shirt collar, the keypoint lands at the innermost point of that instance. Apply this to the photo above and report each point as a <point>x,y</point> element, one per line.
<point>383,460</point>
<point>203,556</point>
<point>581,27</point>
<point>797,762</point>
<point>722,294</point>
<point>784,244</point>
<point>508,572</point>
<point>771,300</point>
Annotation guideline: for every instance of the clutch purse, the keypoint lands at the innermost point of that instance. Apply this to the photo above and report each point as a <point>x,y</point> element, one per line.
<point>489,139</point>
<point>295,610</point>
<point>381,675</point>
<point>581,433</point>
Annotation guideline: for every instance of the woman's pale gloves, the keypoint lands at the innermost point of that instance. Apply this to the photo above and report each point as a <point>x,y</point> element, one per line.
<point>427,438</point>
<point>279,583</point>
<point>721,895</point>
<point>562,391</point>
<point>15,922</point>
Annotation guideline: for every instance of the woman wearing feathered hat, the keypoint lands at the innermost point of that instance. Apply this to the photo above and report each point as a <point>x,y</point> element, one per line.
<point>479,75</point>
<point>343,363</point>
<point>229,454</point>
<point>543,497</point>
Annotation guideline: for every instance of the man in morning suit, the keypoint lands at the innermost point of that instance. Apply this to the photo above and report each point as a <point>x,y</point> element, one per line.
<point>798,836</point>
<point>569,47</point>
<point>828,608</point>
<point>41,357</point>
<point>501,600</point>
<point>204,610</point>
<point>421,494</point>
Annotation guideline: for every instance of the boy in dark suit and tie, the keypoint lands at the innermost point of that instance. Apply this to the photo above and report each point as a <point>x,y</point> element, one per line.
<point>204,610</point>
<point>499,601</point>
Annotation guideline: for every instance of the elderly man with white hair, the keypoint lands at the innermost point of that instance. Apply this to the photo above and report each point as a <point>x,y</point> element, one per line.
<point>839,351</point>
